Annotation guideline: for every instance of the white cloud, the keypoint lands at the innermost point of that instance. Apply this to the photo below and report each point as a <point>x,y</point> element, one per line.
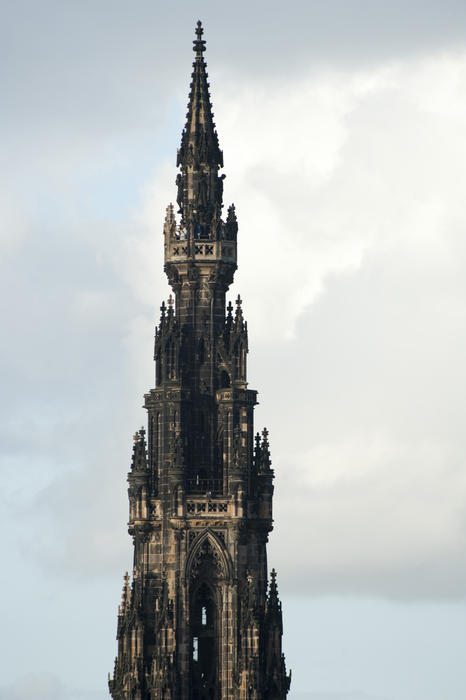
<point>325,168</point>
<point>349,191</point>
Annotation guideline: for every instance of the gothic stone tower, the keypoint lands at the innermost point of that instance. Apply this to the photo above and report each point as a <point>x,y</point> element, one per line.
<point>199,620</point>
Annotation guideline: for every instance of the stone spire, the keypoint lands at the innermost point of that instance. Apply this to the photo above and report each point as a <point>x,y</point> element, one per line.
<point>200,189</point>
<point>199,619</point>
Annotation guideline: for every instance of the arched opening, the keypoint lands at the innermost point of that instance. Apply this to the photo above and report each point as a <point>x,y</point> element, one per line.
<point>207,569</point>
<point>204,643</point>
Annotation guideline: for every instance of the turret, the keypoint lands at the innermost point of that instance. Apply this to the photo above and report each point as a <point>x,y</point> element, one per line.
<point>139,483</point>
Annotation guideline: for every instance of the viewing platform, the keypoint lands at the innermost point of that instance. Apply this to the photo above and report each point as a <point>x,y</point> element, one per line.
<point>202,249</point>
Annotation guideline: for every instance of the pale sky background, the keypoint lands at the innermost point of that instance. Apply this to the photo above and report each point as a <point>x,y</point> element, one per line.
<point>343,130</point>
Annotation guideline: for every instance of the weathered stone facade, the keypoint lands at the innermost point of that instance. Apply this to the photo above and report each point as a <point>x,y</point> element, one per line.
<point>199,619</point>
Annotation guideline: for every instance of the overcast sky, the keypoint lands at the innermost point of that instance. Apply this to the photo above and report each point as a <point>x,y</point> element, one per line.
<point>343,130</point>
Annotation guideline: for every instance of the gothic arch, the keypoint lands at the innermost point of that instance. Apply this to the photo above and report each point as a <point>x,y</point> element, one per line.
<point>208,572</point>
<point>219,553</point>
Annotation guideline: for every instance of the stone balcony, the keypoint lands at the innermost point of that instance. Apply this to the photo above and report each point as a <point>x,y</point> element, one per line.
<point>204,250</point>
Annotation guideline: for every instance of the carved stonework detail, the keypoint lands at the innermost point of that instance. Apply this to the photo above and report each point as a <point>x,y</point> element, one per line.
<point>207,560</point>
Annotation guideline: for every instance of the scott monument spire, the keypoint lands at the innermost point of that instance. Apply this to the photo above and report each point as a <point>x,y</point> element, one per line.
<point>200,619</point>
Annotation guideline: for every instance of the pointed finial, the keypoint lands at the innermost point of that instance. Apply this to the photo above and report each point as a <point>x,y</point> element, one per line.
<point>238,313</point>
<point>264,454</point>
<point>169,213</point>
<point>257,450</point>
<point>139,458</point>
<point>199,43</point>
<point>170,302</point>
<point>163,309</point>
<point>169,226</point>
<point>231,225</point>
<point>230,309</point>
<point>273,590</point>
<point>274,606</point>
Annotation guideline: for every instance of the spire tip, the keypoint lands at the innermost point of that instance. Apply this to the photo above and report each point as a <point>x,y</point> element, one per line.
<point>199,43</point>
